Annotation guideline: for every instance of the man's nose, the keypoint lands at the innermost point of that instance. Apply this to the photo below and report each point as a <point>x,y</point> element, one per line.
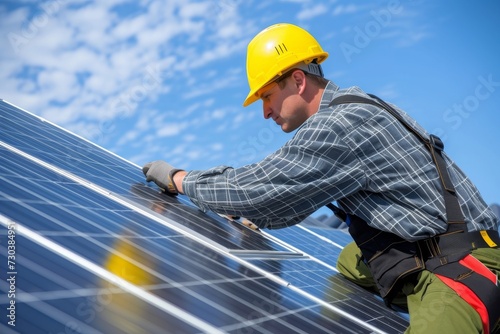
<point>267,110</point>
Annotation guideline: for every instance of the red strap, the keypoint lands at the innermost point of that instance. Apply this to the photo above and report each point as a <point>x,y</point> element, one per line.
<point>467,294</point>
<point>472,263</point>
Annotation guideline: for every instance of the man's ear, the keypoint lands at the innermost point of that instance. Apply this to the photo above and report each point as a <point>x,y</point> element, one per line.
<point>299,80</point>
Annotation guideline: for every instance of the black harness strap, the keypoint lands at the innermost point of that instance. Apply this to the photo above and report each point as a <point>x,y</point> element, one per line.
<point>443,252</point>
<point>435,146</point>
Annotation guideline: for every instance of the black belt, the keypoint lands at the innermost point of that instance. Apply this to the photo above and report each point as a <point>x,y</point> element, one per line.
<point>448,244</point>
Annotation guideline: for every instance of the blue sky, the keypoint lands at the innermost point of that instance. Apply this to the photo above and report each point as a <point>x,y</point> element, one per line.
<point>166,79</point>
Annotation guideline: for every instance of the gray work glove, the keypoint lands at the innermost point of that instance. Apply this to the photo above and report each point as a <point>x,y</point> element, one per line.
<point>162,174</point>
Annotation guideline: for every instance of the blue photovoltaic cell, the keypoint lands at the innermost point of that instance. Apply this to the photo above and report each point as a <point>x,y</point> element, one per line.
<point>320,243</point>
<point>57,296</point>
<point>325,245</point>
<point>99,250</point>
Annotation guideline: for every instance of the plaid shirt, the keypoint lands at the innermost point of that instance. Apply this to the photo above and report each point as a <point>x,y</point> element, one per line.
<point>356,154</point>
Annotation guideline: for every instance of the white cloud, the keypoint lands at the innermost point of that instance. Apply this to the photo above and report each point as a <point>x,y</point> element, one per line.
<point>217,146</point>
<point>189,138</point>
<point>173,129</point>
<point>90,51</point>
<point>219,113</point>
<point>58,85</point>
<point>193,10</point>
<point>94,70</point>
<point>345,9</point>
<point>217,83</point>
<point>310,12</point>
<point>296,1</point>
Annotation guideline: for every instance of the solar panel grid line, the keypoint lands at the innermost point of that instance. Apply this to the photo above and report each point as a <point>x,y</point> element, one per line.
<point>59,315</point>
<point>305,254</point>
<point>314,247</point>
<point>210,230</point>
<point>69,132</point>
<point>200,281</point>
<point>315,277</point>
<point>65,294</point>
<point>78,152</point>
<point>31,297</point>
<point>115,197</point>
<point>335,309</point>
<point>74,232</point>
<point>320,236</point>
<point>180,198</point>
<point>7,330</point>
<point>183,285</point>
<point>107,291</point>
<point>262,319</point>
<point>42,271</point>
<point>70,323</point>
<point>97,189</point>
<point>245,253</point>
<point>185,201</point>
<point>338,310</point>
<point>317,290</point>
<point>341,236</point>
<point>28,297</point>
<point>278,317</point>
<point>92,240</point>
<point>271,303</point>
<point>112,235</point>
<point>268,236</point>
<point>110,277</point>
<point>243,287</point>
<point>286,283</point>
<point>164,220</point>
<point>71,229</point>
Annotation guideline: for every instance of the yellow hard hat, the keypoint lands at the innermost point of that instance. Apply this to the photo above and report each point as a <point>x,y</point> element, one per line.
<point>275,50</point>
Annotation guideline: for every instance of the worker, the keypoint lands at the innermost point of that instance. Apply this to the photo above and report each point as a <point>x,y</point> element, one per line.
<point>420,226</point>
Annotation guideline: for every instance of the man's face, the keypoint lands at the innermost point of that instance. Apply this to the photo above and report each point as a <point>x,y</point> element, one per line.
<point>284,105</point>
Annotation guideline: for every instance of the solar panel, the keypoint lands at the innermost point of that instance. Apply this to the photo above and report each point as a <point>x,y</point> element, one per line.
<point>94,249</point>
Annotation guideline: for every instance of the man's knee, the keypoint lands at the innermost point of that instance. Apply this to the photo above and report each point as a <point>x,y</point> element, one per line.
<point>350,264</point>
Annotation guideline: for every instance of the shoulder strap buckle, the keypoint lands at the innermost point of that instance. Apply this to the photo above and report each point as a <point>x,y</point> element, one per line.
<point>436,142</point>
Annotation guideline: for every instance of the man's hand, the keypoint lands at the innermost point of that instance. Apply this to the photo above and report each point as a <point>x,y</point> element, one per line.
<point>162,174</point>
<point>243,221</point>
<point>249,224</point>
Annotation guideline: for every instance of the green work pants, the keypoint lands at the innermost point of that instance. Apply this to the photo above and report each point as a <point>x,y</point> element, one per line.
<point>433,306</point>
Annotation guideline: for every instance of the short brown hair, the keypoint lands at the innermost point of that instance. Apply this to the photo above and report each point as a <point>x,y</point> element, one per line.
<point>319,81</point>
